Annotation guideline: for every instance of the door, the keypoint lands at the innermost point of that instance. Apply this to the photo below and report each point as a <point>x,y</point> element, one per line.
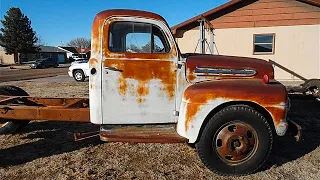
<point>61,58</point>
<point>138,72</point>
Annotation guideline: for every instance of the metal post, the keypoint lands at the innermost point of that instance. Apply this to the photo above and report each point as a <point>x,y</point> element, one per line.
<point>212,41</point>
<point>202,37</point>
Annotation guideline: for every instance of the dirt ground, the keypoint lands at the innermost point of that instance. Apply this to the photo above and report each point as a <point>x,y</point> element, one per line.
<point>46,150</point>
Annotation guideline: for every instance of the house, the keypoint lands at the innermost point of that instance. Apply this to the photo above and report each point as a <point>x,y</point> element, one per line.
<point>69,50</point>
<point>285,31</point>
<point>46,52</point>
<point>79,52</point>
<point>86,51</point>
<point>5,58</point>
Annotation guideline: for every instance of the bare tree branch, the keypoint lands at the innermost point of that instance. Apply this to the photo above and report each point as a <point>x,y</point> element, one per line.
<point>80,43</point>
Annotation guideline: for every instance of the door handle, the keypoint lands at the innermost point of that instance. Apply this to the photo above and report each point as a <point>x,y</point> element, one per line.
<point>113,69</point>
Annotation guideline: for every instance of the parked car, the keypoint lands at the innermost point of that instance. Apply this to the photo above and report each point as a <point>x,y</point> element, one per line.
<point>81,60</point>
<point>79,70</point>
<point>75,57</point>
<point>44,63</point>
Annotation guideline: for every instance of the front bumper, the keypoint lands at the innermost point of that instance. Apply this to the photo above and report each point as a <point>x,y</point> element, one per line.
<point>33,66</point>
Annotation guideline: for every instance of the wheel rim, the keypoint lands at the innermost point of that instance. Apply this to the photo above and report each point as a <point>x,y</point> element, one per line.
<point>78,76</point>
<point>235,142</point>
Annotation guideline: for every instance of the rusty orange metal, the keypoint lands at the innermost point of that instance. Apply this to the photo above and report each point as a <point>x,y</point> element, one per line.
<point>93,61</point>
<point>142,135</point>
<point>253,90</point>
<point>155,69</point>
<point>227,62</point>
<point>235,142</point>
<point>56,109</point>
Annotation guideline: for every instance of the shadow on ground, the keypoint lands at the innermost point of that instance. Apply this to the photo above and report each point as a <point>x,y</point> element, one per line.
<point>305,112</point>
<point>52,138</point>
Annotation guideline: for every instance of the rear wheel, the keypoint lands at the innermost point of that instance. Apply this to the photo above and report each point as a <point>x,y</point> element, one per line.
<point>79,75</point>
<point>236,141</point>
<point>11,126</point>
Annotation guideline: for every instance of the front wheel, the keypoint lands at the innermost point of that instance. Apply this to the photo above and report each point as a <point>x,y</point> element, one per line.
<point>236,141</point>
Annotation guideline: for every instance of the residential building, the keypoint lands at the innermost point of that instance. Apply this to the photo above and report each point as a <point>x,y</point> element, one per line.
<point>285,31</point>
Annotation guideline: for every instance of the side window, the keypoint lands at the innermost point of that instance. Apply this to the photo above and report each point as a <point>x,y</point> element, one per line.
<point>138,42</point>
<point>133,37</point>
<point>263,44</point>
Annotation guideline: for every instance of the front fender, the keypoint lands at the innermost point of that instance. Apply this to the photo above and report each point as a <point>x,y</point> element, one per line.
<point>202,98</point>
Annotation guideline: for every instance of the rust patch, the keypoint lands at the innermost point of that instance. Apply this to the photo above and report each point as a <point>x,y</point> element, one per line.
<point>95,35</point>
<point>229,62</point>
<point>93,61</point>
<point>277,114</point>
<point>191,76</point>
<point>266,95</point>
<point>123,86</point>
<point>54,109</point>
<point>142,90</point>
<point>140,100</point>
<point>145,71</point>
<point>142,134</point>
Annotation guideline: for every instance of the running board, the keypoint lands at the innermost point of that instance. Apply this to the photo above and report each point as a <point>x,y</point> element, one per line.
<point>141,134</point>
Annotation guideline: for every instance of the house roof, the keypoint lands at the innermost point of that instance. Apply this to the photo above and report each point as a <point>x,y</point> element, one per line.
<point>68,48</point>
<point>50,49</point>
<point>221,10</point>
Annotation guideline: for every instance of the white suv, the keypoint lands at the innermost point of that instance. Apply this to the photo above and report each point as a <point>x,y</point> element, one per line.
<point>79,70</point>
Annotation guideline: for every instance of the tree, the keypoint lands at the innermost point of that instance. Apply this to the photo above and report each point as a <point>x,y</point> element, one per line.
<point>80,43</point>
<point>147,48</point>
<point>17,35</point>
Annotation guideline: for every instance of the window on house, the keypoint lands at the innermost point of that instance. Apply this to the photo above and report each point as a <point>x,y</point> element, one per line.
<point>133,37</point>
<point>263,43</point>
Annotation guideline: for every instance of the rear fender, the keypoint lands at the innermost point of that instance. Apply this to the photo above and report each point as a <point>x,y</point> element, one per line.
<point>200,99</point>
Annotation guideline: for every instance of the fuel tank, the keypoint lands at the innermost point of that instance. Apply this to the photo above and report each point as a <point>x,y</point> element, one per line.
<point>202,67</point>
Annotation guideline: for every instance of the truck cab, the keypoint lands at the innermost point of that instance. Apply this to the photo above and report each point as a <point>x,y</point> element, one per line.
<point>227,106</point>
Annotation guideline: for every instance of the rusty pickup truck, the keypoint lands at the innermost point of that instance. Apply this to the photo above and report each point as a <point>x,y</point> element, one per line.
<point>142,89</point>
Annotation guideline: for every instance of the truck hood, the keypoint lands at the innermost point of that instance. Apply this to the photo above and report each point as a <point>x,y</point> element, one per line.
<point>202,67</point>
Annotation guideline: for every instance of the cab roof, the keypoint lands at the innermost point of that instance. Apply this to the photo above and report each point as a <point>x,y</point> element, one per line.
<point>126,12</point>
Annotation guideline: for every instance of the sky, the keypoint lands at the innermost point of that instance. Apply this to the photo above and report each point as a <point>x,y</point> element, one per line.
<point>57,22</point>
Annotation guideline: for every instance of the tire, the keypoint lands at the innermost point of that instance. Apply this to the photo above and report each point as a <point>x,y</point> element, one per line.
<point>7,127</point>
<point>78,75</point>
<point>236,141</point>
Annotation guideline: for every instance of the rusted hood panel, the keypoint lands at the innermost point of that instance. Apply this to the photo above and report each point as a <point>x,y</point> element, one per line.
<point>211,67</point>
<point>272,97</point>
<point>237,90</point>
